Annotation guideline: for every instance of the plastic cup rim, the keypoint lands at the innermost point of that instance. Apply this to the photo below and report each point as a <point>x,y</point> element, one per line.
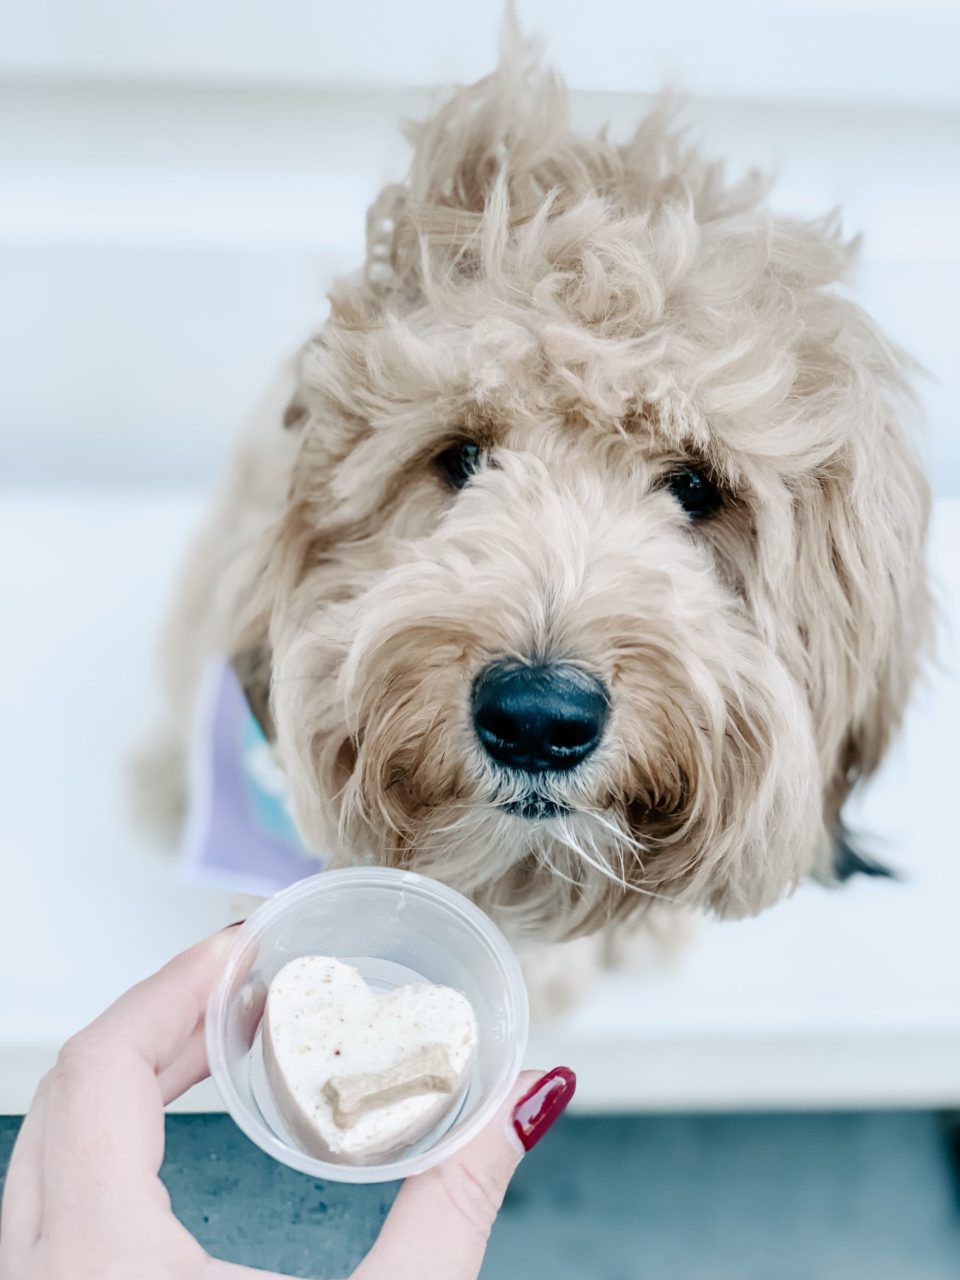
<point>387,878</point>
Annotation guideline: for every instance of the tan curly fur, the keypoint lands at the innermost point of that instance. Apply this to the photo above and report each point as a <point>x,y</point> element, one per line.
<point>593,314</point>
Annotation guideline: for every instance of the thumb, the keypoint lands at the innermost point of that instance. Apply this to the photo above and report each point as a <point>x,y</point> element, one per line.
<point>441,1220</point>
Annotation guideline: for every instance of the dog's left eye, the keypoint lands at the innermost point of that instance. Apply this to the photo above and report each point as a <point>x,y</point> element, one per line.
<point>695,492</point>
<point>458,463</point>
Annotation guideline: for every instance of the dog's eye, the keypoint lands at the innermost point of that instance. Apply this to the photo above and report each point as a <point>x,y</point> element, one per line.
<point>458,463</point>
<point>695,492</point>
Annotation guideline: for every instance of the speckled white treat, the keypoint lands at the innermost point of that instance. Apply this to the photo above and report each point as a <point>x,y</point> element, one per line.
<point>322,1021</point>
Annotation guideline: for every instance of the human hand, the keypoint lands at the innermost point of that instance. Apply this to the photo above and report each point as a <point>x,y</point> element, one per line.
<point>83,1196</point>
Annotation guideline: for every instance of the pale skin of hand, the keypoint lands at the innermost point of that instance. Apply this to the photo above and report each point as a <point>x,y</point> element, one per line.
<point>83,1198</point>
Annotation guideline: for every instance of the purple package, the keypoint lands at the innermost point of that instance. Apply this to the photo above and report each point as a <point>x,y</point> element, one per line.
<point>239,833</point>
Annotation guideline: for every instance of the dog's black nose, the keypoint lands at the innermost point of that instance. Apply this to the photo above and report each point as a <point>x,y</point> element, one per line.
<point>538,718</point>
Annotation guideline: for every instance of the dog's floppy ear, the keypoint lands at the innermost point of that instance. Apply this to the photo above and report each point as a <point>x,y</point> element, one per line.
<point>864,606</point>
<point>252,657</point>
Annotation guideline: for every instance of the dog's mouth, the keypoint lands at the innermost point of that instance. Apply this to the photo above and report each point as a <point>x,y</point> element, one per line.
<point>535,808</point>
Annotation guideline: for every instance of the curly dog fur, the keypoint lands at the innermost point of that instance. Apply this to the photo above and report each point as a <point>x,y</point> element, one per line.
<point>595,317</point>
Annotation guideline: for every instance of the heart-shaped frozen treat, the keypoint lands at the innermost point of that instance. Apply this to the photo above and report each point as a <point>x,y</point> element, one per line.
<point>358,1076</point>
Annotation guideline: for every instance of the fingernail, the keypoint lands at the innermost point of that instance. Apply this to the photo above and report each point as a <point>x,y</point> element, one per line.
<point>236,924</point>
<point>540,1106</point>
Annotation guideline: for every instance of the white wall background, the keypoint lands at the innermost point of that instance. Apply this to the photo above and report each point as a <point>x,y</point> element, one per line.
<point>179,179</point>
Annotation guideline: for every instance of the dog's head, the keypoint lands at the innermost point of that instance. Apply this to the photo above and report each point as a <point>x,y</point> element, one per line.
<point>600,579</point>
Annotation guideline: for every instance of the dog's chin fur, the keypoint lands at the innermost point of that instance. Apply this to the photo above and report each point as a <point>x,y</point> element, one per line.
<point>593,315</point>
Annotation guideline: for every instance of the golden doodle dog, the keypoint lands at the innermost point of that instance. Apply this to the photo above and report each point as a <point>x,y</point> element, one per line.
<point>579,560</point>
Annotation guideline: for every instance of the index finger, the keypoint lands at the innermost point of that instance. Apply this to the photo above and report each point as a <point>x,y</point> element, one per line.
<point>156,1018</point>
<point>104,1106</point>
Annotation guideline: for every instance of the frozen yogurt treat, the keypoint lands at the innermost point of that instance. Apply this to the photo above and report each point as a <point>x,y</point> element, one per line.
<point>359,1076</point>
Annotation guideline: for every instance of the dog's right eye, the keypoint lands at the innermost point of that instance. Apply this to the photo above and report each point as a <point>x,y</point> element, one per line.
<point>695,491</point>
<point>458,463</point>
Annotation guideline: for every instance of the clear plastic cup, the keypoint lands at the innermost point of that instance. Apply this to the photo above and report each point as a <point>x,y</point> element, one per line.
<point>395,927</point>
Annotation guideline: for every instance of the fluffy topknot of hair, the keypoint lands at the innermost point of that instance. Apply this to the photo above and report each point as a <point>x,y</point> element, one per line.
<point>500,155</point>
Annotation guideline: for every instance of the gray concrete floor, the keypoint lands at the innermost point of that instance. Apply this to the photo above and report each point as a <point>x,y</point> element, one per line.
<point>796,1197</point>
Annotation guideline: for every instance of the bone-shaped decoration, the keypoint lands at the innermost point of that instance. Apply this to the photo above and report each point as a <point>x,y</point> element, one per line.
<point>426,1070</point>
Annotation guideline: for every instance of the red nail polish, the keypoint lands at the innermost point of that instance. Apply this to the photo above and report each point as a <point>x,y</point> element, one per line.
<point>236,925</point>
<point>540,1106</point>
